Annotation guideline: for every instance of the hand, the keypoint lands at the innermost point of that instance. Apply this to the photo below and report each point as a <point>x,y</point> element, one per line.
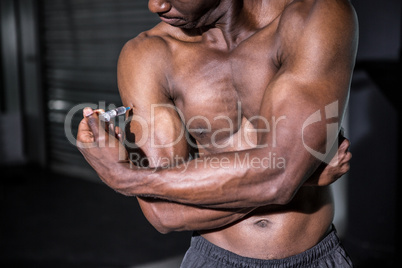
<point>99,142</point>
<point>337,167</point>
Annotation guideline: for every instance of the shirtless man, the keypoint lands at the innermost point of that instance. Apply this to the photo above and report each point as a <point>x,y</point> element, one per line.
<point>243,80</point>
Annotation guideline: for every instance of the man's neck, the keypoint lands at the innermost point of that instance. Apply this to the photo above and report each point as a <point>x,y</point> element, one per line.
<point>235,21</point>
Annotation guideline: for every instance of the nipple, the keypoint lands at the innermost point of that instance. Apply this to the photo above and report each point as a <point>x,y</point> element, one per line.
<point>262,223</point>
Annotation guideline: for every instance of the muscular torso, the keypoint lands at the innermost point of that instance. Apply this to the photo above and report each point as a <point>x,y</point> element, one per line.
<point>218,94</point>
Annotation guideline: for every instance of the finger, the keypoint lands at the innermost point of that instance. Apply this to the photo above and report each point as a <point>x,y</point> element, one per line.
<point>345,168</point>
<point>93,123</point>
<point>345,144</point>
<point>83,125</point>
<point>347,157</point>
<point>84,134</point>
<point>118,133</point>
<point>85,137</point>
<point>87,111</point>
<point>111,129</point>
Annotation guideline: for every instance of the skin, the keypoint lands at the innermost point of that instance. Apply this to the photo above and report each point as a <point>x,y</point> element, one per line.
<point>243,78</point>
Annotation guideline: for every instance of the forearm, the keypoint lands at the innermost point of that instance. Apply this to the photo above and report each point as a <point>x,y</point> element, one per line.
<point>168,216</point>
<point>206,182</point>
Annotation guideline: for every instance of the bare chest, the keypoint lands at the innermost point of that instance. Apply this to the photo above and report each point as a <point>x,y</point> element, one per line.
<point>217,92</point>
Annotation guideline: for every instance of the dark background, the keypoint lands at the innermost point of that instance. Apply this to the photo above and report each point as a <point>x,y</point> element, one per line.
<point>58,54</point>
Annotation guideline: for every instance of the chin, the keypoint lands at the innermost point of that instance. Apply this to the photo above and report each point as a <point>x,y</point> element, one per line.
<point>187,25</point>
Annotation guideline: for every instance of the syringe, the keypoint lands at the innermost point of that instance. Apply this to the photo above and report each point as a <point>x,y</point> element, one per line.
<point>106,116</point>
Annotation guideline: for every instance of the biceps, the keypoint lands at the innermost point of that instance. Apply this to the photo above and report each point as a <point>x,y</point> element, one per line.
<point>157,135</point>
<point>302,114</point>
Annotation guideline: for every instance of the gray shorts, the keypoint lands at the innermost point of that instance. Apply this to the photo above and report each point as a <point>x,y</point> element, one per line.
<point>327,253</point>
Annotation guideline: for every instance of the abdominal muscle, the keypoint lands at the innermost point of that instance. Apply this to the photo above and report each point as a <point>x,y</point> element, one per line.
<point>275,232</point>
<point>278,231</point>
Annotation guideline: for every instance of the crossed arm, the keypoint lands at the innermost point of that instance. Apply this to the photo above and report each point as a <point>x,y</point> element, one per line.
<point>312,75</point>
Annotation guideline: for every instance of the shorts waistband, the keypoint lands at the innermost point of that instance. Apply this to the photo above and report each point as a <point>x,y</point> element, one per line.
<point>225,257</point>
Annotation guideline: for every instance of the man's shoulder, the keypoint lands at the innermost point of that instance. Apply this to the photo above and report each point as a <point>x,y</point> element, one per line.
<point>142,65</point>
<point>305,8</point>
<point>150,43</point>
<point>145,55</point>
<point>318,23</point>
<point>300,14</point>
